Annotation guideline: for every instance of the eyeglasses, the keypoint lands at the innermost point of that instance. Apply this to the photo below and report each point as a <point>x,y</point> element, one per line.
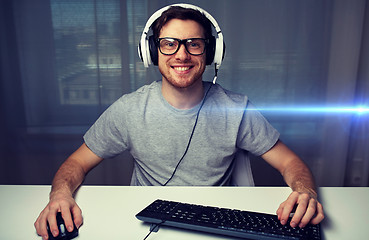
<point>194,46</point>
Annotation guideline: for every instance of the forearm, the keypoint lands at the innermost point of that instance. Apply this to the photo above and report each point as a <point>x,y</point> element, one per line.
<point>294,171</point>
<point>67,179</point>
<point>298,176</point>
<point>309,210</point>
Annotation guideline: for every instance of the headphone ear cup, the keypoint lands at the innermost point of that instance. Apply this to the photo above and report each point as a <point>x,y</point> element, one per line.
<point>210,51</point>
<point>153,50</point>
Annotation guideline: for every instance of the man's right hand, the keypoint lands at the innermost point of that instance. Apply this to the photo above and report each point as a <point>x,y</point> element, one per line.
<point>58,203</point>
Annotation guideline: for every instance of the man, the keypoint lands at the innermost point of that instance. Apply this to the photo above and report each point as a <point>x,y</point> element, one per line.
<point>181,131</point>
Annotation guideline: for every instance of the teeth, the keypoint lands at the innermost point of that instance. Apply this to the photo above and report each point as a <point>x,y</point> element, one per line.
<point>181,68</point>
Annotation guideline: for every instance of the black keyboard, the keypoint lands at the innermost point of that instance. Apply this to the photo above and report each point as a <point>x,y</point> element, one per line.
<point>230,222</point>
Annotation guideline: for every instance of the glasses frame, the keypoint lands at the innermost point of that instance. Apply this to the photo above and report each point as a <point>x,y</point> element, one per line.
<point>182,41</point>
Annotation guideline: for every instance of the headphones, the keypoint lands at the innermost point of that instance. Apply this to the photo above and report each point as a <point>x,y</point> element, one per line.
<point>147,48</point>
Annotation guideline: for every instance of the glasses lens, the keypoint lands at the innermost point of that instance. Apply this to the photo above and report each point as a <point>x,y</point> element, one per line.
<point>169,46</point>
<point>195,46</point>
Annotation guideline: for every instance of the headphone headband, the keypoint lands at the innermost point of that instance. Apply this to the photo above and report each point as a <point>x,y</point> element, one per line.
<point>144,48</point>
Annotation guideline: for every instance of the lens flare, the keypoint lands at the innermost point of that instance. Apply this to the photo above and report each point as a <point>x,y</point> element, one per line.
<point>333,110</point>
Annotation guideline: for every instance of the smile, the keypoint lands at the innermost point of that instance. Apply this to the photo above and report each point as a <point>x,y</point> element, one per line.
<point>181,69</point>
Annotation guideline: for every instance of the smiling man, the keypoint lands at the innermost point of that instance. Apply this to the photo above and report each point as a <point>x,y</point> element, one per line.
<point>182,130</point>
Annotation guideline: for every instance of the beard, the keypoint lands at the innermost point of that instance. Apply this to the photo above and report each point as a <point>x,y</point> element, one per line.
<point>182,80</point>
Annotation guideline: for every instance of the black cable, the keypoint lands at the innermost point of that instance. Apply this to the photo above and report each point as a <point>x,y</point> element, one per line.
<point>153,228</point>
<point>193,130</point>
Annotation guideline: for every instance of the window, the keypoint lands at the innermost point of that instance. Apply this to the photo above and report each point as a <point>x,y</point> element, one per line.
<point>89,60</point>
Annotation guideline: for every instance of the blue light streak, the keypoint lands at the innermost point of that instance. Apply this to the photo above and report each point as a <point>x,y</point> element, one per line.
<point>338,110</point>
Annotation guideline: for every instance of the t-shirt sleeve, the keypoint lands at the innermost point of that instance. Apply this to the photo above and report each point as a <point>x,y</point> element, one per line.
<point>106,137</point>
<point>256,134</point>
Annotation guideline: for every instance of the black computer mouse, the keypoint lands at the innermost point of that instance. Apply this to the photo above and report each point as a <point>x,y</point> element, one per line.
<point>63,232</point>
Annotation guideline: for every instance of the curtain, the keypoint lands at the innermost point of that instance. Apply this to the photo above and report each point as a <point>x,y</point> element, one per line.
<point>303,63</point>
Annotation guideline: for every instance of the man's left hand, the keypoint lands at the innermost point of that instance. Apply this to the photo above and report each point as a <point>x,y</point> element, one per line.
<point>308,210</point>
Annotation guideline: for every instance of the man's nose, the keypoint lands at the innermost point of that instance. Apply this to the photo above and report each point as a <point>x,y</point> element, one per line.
<point>182,53</point>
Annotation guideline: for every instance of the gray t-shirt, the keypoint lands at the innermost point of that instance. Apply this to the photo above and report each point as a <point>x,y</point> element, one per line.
<point>157,134</point>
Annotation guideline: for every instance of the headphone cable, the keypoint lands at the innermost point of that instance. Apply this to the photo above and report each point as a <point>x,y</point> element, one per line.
<point>193,130</point>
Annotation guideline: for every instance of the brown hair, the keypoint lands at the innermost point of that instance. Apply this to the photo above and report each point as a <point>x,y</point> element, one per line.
<point>177,12</point>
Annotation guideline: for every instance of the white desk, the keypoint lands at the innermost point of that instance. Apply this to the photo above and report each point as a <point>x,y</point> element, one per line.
<point>109,212</point>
